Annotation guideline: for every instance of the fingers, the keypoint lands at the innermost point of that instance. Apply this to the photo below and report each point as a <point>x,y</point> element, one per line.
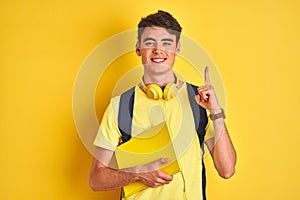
<point>162,161</point>
<point>149,167</point>
<point>206,96</point>
<point>152,176</point>
<point>153,166</point>
<point>160,178</point>
<point>165,177</point>
<point>204,93</point>
<point>155,178</point>
<point>197,98</point>
<point>159,162</point>
<point>206,76</point>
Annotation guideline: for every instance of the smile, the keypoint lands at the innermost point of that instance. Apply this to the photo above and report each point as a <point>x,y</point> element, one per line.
<point>158,60</point>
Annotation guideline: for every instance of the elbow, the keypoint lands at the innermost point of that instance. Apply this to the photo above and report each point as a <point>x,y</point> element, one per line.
<point>96,187</point>
<point>93,186</point>
<point>228,173</point>
<point>227,169</point>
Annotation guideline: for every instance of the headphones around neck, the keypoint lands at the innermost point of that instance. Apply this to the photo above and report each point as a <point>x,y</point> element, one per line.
<point>154,91</point>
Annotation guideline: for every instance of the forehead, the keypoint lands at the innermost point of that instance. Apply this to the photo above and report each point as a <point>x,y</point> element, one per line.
<point>157,33</point>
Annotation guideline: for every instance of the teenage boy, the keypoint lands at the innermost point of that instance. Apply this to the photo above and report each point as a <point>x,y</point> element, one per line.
<point>158,44</point>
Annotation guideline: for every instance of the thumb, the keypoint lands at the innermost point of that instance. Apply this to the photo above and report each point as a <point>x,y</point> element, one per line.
<point>155,165</point>
<point>164,161</point>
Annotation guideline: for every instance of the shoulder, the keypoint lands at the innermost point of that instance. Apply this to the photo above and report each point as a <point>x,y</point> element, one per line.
<point>115,101</point>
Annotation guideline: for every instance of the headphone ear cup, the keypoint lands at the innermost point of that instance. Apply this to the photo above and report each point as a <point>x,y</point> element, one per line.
<point>170,91</point>
<point>154,92</point>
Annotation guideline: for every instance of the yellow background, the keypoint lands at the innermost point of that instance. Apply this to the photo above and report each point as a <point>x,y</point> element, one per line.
<point>43,43</point>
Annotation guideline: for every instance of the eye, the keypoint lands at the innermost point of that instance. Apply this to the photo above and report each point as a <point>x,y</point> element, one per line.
<point>149,44</point>
<point>167,44</point>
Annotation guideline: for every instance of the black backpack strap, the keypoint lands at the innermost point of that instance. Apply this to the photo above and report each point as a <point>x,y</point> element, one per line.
<point>201,120</point>
<point>125,114</point>
<point>200,115</point>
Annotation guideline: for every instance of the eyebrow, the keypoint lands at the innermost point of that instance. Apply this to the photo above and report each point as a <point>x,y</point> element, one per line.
<point>148,39</point>
<point>152,39</point>
<point>168,39</point>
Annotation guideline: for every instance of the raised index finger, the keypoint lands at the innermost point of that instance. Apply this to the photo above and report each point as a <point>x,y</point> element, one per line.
<point>206,76</point>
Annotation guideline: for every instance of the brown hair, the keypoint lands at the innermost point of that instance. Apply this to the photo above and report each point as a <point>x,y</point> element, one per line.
<point>161,19</point>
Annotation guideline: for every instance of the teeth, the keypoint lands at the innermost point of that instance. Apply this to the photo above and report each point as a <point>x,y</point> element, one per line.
<point>158,59</point>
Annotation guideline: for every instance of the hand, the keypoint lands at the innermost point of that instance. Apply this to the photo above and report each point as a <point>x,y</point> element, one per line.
<point>206,97</point>
<point>149,167</point>
<point>155,178</point>
<point>150,174</point>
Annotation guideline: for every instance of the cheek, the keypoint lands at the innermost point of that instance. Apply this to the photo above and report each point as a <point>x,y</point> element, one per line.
<point>145,56</point>
<point>171,59</point>
<point>144,60</point>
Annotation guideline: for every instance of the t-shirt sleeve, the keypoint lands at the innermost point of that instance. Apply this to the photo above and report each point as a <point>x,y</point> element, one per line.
<point>209,130</point>
<point>108,135</point>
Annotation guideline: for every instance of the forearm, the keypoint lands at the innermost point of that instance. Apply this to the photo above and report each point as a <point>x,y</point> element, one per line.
<point>223,152</point>
<point>105,178</point>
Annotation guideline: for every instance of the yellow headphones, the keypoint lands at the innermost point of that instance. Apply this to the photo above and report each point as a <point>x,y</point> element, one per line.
<point>153,91</point>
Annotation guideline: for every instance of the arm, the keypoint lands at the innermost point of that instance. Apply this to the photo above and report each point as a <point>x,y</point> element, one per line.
<point>222,150</point>
<point>221,147</point>
<point>103,177</point>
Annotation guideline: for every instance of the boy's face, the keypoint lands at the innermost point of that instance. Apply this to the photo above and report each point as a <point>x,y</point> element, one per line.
<point>158,49</point>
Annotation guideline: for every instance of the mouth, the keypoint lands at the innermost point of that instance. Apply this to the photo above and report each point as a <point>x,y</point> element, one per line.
<point>158,60</point>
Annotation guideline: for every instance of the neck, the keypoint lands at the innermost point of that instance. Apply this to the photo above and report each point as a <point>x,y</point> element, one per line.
<point>159,79</point>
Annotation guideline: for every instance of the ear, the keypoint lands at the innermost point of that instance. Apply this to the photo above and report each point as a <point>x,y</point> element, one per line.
<point>137,49</point>
<point>177,51</point>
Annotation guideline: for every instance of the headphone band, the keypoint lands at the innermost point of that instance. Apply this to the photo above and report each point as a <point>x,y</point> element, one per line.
<point>154,91</point>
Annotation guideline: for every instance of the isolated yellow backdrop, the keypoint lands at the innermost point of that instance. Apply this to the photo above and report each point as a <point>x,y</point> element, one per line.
<point>43,43</point>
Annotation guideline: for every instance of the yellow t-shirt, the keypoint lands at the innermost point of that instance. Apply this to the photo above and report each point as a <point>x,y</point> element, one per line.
<point>177,113</point>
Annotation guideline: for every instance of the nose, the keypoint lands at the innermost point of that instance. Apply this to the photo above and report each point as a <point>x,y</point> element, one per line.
<point>158,49</point>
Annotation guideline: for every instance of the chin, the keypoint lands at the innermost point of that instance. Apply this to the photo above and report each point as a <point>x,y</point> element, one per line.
<point>157,68</point>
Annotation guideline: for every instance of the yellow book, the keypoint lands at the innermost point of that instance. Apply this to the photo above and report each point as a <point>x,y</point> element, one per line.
<point>148,146</point>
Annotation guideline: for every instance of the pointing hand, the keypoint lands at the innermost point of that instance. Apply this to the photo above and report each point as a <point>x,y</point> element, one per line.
<point>206,97</point>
